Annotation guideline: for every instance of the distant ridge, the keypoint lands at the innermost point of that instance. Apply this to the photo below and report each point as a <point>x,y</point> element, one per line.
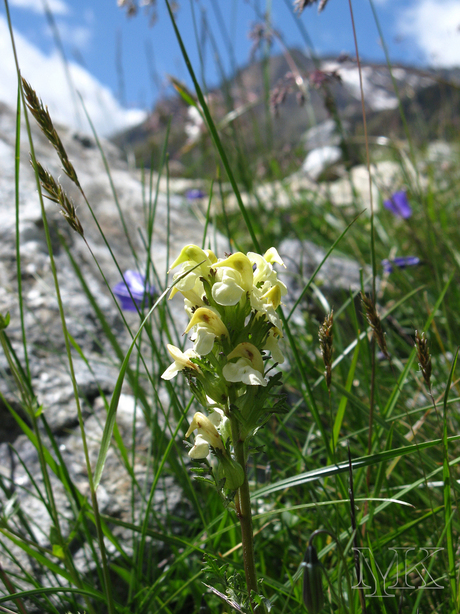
<point>430,100</point>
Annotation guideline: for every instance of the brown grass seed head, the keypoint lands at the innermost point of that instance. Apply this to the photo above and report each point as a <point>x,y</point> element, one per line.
<point>57,194</point>
<point>326,336</point>
<point>43,119</point>
<point>376,325</point>
<point>424,356</point>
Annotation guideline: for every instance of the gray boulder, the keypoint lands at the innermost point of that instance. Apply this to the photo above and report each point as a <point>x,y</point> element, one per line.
<point>97,372</point>
<point>338,275</point>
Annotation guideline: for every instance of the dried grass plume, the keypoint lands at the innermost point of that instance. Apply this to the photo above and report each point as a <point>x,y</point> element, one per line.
<point>299,5</point>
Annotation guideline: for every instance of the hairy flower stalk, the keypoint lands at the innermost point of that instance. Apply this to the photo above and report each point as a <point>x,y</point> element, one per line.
<point>234,327</point>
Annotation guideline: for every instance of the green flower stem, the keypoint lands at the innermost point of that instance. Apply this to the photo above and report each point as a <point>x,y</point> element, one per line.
<point>243,511</point>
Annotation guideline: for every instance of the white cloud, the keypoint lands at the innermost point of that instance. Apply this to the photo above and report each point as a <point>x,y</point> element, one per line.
<point>78,36</point>
<point>434,26</point>
<point>47,75</point>
<point>57,7</point>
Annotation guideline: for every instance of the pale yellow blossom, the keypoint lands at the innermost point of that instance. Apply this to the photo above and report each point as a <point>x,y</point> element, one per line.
<point>181,361</point>
<point>248,369</point>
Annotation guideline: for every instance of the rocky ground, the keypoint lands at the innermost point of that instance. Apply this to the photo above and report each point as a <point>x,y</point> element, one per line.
<point>97,373</point>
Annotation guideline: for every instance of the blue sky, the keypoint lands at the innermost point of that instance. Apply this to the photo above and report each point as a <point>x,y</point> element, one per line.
<point>95,33</point>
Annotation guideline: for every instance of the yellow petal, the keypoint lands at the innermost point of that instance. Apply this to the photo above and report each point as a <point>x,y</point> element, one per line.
<point>206,429</point>
<point>242,264</point>
<point>211,255</point>
<point>180,357</point>
<point>273,296</point>
<point>173,292</point>
<point>271,255</point>
<point>249,351</point>
<point>190,253</point>
<point>208,318</point>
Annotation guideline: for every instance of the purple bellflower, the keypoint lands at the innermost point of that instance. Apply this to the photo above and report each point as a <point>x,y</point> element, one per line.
<point>195,194</point>
<point>401,262</point>
<point>139,290</point>
<point>398,204</point>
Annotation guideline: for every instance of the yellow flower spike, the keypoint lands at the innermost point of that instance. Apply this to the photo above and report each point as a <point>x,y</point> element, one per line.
<point>273,296</point>
<point>250,352</point>
<point>206,429</point>
<point>241,263</point>
<point>208,318</point>
<point>271,255</point>
<point>190,253</point>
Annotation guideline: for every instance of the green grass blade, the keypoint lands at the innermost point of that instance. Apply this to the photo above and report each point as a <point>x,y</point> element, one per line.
<point>318,268</point>
<point>391,404</point>
<point>112,413</point>
<point>364,461</point>
<point>343,401</point>
<point>213,131</point>
<point>447,490</point>
<point>54,591</point>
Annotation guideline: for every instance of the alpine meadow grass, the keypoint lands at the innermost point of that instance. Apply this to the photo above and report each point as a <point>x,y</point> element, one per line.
<point>322,427</point>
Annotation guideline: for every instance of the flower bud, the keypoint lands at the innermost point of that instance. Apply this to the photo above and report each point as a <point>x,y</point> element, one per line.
<point>313,596</point>
<point>206,429</point>
<point>231,471</point>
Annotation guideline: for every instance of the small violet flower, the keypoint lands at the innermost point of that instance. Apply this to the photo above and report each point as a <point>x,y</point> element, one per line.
<point>398,204</point>
<point>195,194</point>
<point>401,262</point>
<point>135,283</point>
